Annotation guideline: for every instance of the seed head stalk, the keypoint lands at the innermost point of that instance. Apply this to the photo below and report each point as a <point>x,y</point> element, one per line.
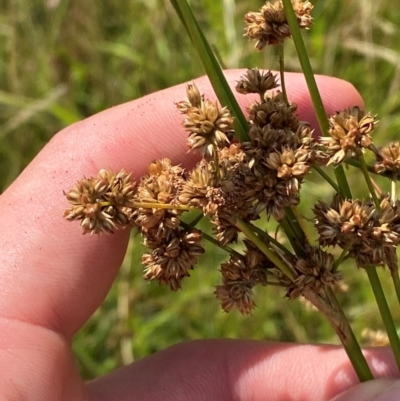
<point>313,89</point>
<point>385,312</point>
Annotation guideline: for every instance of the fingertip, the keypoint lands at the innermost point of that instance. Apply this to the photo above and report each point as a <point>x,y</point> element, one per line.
<point>374,390</point>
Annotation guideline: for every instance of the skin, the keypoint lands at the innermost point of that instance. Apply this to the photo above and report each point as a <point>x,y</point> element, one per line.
<point>52,278</point>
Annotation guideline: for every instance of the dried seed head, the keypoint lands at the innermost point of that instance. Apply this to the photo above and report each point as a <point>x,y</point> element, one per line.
<point>315,272</point>
<point>255,81</point>
<point>371,234</point>
<point>172,257</point>
<point>349,132</point>
<point>160,186</point>
<point>269,26</point>
<point>102,203</point>
<point>209,125</point>
<point>388,159</point>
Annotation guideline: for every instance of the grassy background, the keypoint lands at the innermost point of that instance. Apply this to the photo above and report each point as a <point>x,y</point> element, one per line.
<point>64,60</point>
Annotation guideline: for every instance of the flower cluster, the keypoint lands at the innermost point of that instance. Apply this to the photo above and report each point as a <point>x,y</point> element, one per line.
<point>209,125</point>
<point>102,203</point>
<point>370,234</point>
<point>349,134</point>
<point>269,26</point>
<point>235,183</point>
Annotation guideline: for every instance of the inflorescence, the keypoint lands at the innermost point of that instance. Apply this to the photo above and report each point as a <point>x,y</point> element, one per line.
<point>239,182</point>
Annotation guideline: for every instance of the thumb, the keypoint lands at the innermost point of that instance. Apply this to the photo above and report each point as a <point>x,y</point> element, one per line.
<point>374,390</point>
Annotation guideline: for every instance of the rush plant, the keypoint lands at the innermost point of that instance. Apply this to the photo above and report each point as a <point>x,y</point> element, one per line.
<point>254,168</point>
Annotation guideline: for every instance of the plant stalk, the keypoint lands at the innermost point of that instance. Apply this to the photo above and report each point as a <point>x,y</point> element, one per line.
<point>385,312</point>
<point>313,89</point>
<point>269,253</point>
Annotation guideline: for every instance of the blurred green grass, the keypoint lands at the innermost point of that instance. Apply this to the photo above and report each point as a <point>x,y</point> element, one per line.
<point>64,60</point>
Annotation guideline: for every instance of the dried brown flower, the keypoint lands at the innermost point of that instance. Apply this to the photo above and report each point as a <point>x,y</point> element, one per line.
<point>172,257</point>
<point>102,203</point>
<point>349,133</point>
<point>256,81</point>
<point>209,125</point>
<point>315,272</point>
<point>269,26</point>
<point>388,159</point>
<point>239,275</point>
<point>371,235</point>
<point>160,186</point>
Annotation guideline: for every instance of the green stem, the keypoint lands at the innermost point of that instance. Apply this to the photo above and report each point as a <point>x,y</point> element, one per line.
<point>356,163</point>
<point>368,180</point>
<point>326,177</point>
<point>155,205</point>
<point>196,220</point>
<point>349,340</point>
<point>396,282</point>
<point>313,89</point>
<point>267,237</point>
<point>212,67</point>
<point>294,231</point>
<point>385,312</point>
<point>393,190</point>
<point>269,253</point>
<point>210,239</point>
<point>342,256</point>
<point>282,72</point>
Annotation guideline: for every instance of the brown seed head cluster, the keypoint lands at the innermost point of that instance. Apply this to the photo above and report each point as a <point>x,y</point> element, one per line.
<point>388,159</point>
<point>269,26</point>
<point>239,275</point>
<point>255,81</point>
<point>102,203</point>
<point>209,125</point>
<point>349,134</point>
<point>370,235</point>
<point>315,273</point>
<point>280,152</point>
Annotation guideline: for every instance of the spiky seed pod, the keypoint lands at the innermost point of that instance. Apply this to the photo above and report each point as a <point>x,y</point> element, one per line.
<point>102,203</point>
<point>209,125</point>
<point>349,132</point>
<point>388,159</point>
<point>172,257</point>
<point>372,234</point>
<point>256,81</point>
<point>269,26</point>
<point>274,112</point>
<point>315,272</point>
<point>160,186</point>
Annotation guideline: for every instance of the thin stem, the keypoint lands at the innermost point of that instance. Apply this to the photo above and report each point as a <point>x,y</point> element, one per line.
<point>356,163</point>
<point>342,256</point>
<point>154,205</point>
<point>294,231</point>
<point>267,237</point>
<point>282,71</point>
<point>349,340</point>
<point>196,220</point>
<point>216,165</point>
<point>326,177</point>
<point>212,67</point>
<point>210,239</point>
<point>313,89</point>
<point>385,312</point>
<point>396,282</point>
<point>393,190</point>
<point>269,253</point>
<point>368,180</point>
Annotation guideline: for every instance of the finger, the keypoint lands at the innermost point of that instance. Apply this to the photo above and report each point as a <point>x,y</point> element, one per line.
<point>374,390</point>
<point>43,254</point>
<point>239,370</point>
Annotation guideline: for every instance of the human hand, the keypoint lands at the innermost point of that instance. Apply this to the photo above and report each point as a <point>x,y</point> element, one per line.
<point>52,279</point>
